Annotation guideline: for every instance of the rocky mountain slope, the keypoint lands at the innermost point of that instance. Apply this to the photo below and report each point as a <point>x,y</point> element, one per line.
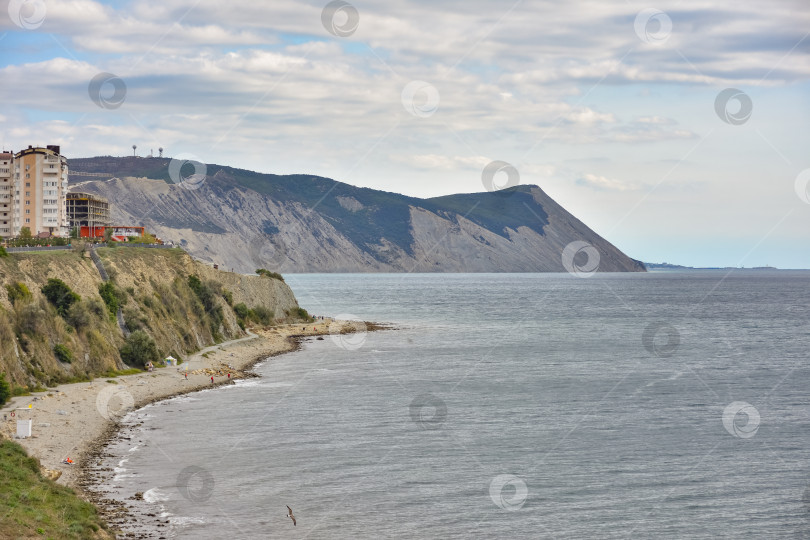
<point>298,223</point>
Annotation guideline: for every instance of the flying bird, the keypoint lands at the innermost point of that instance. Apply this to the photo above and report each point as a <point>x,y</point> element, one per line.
<point>290,514</point>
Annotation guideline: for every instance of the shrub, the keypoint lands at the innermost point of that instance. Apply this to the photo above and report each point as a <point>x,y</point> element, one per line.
<point>96,307</point>
<point>62,353</point>
<point>134,320</point>
<point>78,315</point>
<point>302,314</point>
<point>207,293</point>
<point>139,349</point>
<point>5,389</point>
<point>112,296</point>
<point>241,310</point>
<point>3,252</point>
<point>59,294</point>
<point>30,320</point>
<point>228,296</point>
<point>17,291</point>
<point>268,273</point>
<point>263,315</point>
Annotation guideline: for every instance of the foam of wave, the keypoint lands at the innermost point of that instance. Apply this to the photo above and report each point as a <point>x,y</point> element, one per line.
<point>155,495</point>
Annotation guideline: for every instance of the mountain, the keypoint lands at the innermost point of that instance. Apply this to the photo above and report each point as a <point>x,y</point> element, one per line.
<point>300,223</point>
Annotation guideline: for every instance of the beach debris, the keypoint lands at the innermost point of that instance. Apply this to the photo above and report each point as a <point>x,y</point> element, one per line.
<point>138,496</point>
<point>61,412</point>
<point>51,474</point>
<point>290,514</point>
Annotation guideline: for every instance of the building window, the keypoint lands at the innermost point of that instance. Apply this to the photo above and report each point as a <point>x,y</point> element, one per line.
<point>28,220</point>
<point>28,184</point>
<point>27,193</point>
<point>27,210</point>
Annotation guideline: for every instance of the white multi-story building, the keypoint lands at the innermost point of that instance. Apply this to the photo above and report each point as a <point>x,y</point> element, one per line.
<point>6,194</point>
<point>37,192</point>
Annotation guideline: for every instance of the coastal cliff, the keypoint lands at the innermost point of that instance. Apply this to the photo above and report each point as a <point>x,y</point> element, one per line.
<point>180,304</point>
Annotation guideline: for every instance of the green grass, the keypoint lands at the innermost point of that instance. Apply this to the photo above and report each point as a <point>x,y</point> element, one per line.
<point>31,505</point>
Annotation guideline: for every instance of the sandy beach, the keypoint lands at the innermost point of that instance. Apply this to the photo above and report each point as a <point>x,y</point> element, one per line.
<point>73,420</point>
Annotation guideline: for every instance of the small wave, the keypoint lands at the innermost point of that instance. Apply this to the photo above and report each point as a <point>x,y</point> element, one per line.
<point>184,521</point>
<point>155,495</point>
<point>276,385</point>
<point>135,448</point>
<point>121,463</point>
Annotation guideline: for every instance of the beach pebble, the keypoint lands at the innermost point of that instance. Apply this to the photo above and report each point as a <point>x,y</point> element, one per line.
<point>61,412</point>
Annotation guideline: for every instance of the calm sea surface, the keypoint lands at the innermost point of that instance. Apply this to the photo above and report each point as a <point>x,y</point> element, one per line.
<point>665,405</point>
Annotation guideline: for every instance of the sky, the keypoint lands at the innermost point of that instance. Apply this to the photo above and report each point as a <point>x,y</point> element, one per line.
<point>678,131</point>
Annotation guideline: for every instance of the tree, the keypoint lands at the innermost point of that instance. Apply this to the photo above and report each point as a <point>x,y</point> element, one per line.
<point>25,233</point>
<point>3,252</point>
<point>108,232</point>
<point>5,389</point>
<point>60,295</point>
<point>139,349</point>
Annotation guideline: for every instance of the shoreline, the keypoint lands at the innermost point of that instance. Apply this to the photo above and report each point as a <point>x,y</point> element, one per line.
<point>97,407</point>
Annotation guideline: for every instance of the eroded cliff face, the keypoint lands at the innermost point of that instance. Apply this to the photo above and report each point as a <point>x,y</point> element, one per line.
<point>242,229</point>
<point>153,284</point>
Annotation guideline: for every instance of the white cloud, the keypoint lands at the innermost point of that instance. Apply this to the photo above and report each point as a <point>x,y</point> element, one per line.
<point>603,183</point>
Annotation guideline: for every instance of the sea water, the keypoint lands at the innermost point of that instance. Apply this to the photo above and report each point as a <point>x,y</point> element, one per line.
<point>525,405</point>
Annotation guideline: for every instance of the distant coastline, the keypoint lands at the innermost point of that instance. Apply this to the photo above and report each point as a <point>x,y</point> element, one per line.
<point>669,266</point>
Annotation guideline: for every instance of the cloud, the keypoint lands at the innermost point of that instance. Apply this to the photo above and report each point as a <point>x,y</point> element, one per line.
<point>602,183</point>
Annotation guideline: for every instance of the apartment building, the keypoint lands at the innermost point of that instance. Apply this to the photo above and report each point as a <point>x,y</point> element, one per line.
<point>6,194</point>
<point>40,184</point>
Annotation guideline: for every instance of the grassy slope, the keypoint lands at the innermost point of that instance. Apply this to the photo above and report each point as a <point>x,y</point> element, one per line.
<point>386,215</point>
<point>33,507</point>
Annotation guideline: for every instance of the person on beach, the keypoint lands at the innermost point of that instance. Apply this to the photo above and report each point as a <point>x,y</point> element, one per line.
<point>186,374</point>
<point>212,379</point>
<point>229,376</point>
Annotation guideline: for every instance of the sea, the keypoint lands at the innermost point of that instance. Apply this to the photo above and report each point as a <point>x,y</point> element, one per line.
<point>657,405</point>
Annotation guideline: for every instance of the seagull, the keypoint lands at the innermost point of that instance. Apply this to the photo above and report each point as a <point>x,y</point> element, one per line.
<point>290,514</point>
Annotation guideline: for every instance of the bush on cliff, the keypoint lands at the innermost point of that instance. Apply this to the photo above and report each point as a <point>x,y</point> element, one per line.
<point>263,315</point>
<point>5,389</point>
<point>62,353</point>
<point>112,296</point>
<point>268,273</point>
<point>60,295</point>
<point>207,293</point>
<point>78,316</point>
<point>17,291</point>
<point>241,310</point>
<point>139,349</point>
